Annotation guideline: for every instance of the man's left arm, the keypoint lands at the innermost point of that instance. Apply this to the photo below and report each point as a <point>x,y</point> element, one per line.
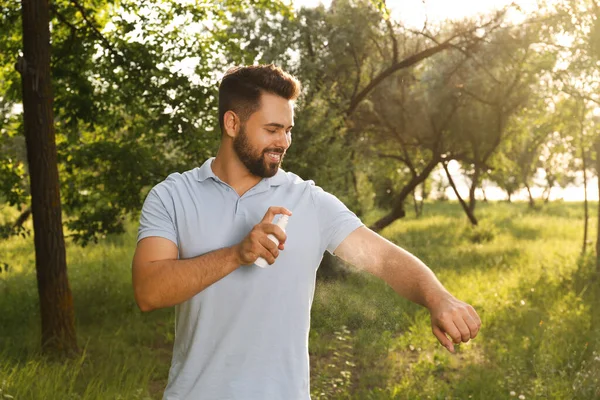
<point>413,280</point>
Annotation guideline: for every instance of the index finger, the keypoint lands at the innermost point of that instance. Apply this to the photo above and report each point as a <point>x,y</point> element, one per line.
<point>275,231</point>
<point>443,339</point>
<point>274,210</point>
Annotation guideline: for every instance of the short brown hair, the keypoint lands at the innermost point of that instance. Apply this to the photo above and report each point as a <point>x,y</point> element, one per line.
<point>241,88</point>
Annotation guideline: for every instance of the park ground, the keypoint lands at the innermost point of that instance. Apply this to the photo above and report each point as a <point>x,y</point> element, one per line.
<point>521,269</point>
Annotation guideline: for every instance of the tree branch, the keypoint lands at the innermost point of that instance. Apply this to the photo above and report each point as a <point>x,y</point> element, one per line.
<point>388,22</point>
<point>466,52</point>
<point>407,62</point>
<point>393,156</point>
<point>9,229</point>
<point>63,19</point>
<point>403,145</point>
<point>72,27</point>
<point>358,71</point>
<point>477,97</point>
<point>97,33</point>
<point>379,49</point>
<point>410,61</point>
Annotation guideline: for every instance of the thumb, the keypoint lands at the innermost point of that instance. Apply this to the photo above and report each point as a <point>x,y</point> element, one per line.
<point>443,339</point>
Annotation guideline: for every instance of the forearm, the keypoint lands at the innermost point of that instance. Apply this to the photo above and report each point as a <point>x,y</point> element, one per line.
<point>411,278</point>
<point>166,283</point>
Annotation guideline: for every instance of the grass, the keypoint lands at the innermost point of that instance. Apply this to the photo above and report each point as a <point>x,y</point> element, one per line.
<point>521,269</point>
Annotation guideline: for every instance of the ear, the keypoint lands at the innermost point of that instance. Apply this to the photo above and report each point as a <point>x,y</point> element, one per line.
<point>232,124</point>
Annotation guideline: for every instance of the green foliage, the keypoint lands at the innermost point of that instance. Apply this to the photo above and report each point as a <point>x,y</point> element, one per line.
<point>120,87</point>
<point>578,76</point>
<point>531,143</point>
<point>497,89</point>
<point>12,176</point>
<point>483,232</point>
<point>334,365</point>
<point>126,113</point>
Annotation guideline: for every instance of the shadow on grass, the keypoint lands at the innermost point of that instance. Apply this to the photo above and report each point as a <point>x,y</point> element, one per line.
<point>100,301</point>
<point>542,344</point>
<point>124,351</point>
<point>521,231</point>
<point>442,234</point>
<point>543,335</point>
<point>371,313</point>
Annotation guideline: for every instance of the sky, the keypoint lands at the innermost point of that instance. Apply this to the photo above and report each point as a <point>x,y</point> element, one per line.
<point>413,13</point>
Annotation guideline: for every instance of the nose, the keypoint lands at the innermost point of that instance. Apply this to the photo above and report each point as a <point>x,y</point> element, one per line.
<point>284,140</point>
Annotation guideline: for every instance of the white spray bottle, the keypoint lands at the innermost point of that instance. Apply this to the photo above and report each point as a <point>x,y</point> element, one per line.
<point>282,223</point>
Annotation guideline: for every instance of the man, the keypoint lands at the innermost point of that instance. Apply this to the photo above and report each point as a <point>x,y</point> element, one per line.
<point>242,331</point>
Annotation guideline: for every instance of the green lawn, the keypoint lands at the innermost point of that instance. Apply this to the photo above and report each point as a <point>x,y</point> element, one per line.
<point>521,270</point>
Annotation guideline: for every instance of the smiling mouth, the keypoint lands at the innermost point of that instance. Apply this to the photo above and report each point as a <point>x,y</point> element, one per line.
<point>274,156</point>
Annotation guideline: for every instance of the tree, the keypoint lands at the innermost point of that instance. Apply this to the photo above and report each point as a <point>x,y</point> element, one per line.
<point>127,113</point>
<point>452,107</point>
<point>580,79</point>
<point>528,139</point>
<point>404,123</point>
<point>597,149</point>
<point>343,55</point>
<point>556,161</point>
<point>497,87</point>
<point>503,173</point>
<point>119,96</point>
<point>56,300</point>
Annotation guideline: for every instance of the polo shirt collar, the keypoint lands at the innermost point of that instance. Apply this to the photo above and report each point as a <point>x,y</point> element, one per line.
<point>205,172</point>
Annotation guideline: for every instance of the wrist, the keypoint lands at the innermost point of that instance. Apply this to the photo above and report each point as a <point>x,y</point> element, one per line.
<point>234,255</point>
<point>434,299</point>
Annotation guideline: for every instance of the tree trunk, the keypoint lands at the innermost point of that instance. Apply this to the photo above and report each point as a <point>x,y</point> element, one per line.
<point>547,198</point>
<point>585,202</point>
<point>485,199</point>
<point>416,205</point>
<point>424,194</point>
<point>464,205</point>
<point>584,166</point>
<point>472,189</point>
<point>597,145</point>
<point>422,201</point>
<point>509,197</point>
<point>396,213</point>
<point>531,199</point>
<point>398,209</point>
<point>56,301</point>
<point>354,178</point>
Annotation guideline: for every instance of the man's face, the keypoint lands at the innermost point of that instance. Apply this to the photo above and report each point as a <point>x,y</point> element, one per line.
<point>264,138</point>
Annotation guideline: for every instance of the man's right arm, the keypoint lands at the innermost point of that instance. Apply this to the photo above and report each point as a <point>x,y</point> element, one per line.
<point>161,280</point>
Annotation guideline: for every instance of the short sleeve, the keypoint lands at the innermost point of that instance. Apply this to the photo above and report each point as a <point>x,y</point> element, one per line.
<point>336,221</point>
<point>155,219</point>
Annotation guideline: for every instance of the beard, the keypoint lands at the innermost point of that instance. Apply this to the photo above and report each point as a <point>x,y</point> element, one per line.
<point>256,161</point>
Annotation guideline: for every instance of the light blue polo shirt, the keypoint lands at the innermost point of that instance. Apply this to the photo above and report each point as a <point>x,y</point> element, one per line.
<point>245,337</point>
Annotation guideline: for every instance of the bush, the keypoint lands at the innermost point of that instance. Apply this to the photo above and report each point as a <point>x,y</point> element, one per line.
<point>484,232</point>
